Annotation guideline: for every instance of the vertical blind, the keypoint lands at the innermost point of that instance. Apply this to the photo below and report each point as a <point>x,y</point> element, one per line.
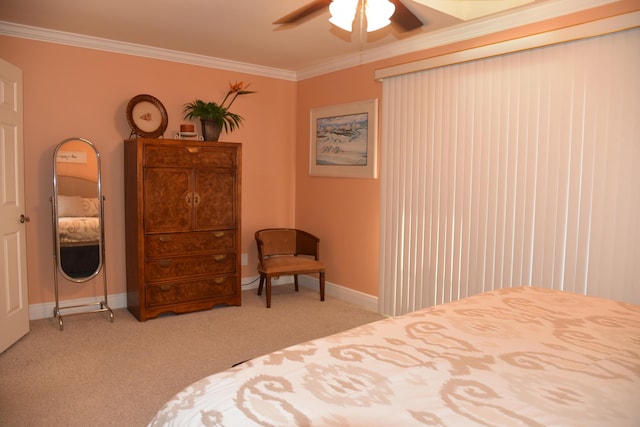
<point>522,169</point>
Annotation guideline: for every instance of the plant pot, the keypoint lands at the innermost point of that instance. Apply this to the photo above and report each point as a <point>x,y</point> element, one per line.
<point>210,130</point>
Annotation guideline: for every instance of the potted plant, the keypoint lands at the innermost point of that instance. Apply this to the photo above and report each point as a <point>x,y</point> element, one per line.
<point>215,117</point>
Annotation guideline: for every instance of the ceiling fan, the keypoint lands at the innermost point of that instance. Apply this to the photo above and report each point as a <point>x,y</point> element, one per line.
<point>402,17</point>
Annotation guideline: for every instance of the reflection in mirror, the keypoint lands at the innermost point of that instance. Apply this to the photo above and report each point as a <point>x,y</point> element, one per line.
<point>77,190</point>
<point>78,224</point>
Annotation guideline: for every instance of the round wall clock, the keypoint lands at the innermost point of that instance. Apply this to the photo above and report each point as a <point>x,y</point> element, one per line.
<point>147,116</point>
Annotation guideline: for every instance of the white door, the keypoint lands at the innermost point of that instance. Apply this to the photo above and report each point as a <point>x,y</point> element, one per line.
<point>14,306</point>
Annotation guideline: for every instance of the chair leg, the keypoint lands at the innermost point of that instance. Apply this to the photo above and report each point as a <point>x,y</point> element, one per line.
<point>321,274</point>
<point>295,281</point>
<point>268,291</point>
<point>261,284</point>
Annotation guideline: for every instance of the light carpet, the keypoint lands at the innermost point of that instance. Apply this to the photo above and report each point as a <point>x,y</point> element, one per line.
<point>119,374</point>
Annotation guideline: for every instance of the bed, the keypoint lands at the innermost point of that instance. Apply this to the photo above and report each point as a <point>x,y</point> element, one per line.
<point>512,357</point>
<point>78,225</point>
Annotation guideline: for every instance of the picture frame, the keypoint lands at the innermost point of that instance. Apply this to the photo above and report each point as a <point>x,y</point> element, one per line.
<point>344,140</point>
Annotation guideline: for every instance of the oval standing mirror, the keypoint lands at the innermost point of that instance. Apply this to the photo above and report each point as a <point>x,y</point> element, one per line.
<point>78,219</point>
<point>77,209</point>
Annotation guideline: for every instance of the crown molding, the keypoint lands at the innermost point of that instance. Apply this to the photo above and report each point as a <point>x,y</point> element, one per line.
<point>89,42</point>
<point>461,32</point>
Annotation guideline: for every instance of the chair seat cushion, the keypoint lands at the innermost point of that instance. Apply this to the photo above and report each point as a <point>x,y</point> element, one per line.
<point>289,265</point>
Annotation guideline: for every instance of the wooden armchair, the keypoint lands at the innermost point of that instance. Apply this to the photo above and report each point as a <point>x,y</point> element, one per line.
<point>287,251</point>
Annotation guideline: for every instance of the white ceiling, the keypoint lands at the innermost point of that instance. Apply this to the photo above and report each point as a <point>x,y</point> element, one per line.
<point>242,30</point>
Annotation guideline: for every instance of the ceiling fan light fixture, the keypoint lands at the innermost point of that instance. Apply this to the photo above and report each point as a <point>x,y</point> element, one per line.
<point>343,13</point>
<point>378,13</point>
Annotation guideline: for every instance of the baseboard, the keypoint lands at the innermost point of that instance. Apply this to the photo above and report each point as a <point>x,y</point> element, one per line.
<point>366,301</point>
<point>369,302</point>
<point>360,299</point>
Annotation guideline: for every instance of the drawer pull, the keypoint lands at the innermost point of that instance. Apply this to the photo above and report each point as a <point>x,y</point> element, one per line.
<point>164,239</point>
<point>188,198</point>
<point>218,234</point>
<point>219,280</point>
<point>165,288</point>
<point>193,150</point>
<point>219,257</point>
<point>165,262</point>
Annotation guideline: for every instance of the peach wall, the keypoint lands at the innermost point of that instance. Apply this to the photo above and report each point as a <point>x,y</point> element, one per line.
<point>76,92</point>
<point>343,212</point>
<point>88,170</point>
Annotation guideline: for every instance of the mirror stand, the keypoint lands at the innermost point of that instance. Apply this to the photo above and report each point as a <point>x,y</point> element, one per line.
<point>77,207</point>
<point>101,306</point>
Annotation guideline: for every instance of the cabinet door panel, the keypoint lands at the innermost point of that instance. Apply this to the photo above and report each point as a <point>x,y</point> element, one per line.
<point>216,206</point>
<point>167,199</point>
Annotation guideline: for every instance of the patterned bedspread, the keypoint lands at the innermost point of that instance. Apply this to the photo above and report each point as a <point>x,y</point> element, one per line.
<point>511,357</point>
<point>79,230</point>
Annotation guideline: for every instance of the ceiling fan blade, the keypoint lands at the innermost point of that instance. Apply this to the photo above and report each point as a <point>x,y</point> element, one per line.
<point>303,12</point>
<point>404,17</point>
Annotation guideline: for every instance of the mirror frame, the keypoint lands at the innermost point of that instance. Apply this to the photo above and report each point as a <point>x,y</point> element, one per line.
<point>55,204</point>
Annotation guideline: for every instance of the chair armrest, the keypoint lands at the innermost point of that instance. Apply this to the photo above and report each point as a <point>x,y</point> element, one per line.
<point>307,244</point>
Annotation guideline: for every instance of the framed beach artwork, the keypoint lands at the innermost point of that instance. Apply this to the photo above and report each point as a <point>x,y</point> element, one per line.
<point>343,140</point>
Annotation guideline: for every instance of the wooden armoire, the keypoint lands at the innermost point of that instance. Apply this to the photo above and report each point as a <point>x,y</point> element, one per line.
<point>182,225</point>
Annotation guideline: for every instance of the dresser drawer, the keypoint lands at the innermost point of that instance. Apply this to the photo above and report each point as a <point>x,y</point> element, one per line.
<point>189,266</point>
<point>180,292</point>
<point>190,155</point>
<point>162,245</point>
